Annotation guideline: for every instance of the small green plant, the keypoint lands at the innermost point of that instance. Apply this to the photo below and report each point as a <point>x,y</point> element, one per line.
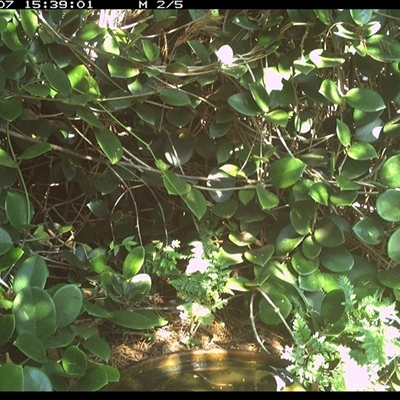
<point>357,352</point>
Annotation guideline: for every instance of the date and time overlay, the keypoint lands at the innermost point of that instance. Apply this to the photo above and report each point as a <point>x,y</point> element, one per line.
<point>87,4</point>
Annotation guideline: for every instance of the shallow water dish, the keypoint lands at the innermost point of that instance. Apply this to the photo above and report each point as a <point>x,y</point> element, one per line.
<point>204,370</point>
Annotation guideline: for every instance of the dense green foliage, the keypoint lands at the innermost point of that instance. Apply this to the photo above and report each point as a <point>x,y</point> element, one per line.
<point>264,142</point>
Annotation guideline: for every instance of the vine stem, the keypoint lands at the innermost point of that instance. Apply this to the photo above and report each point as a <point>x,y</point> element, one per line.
<point>253,325</point>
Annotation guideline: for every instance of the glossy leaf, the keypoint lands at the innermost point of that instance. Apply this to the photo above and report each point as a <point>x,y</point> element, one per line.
<point>260,95</point>
<point>266,198</point>
<point>7,326</point>
<point>260,256</point>
<point>68,303</point>
<point>328,234</point>
<point>364,99</point>
<point>6,242</point>
<point>31,346</point>
<point>268,313</point>
<point>279,117</point>
<point>286,172</point>
<point>57,78</point>
<point>390,277</point>
<point>330,90</point>
<point>337,259</point>
<point>220,182</point>
<point>246,195</point>
<point>35,150</point>
<point>343,198</point>
<point>96,311</point>
<point>370,132</point>
<point>332,307</point>
<point>361,151</point>
<point>29,22</point>
<point>325,59</point>
<point>137,287</point>
<point>10,109</point>
<point>34,313</point>
<point>19,211</point>
<point>178,150</point>
<point>244,104</point>
<point>196,203</point>
<point>175,97</point>
<point>343,133</point>
<point>94,379</point>
<point>394,246</point>
<point>6,160</point>
<point>99,347</point>
<point>300,221</point>
<point>11,378</point>
<point>133,262</point>
<point>110,144</point>
<point>388,205</point>
<point>32,272</point>
<point>200,50</point>
<point>390,172</point>
<point>383,48</point>
<point>287,240</point>
<point>320,193</point>
<point>134,319</point>
<point>36,380</point>
<point>369,231</point>
<point>361,17</point>
<point>312,282</point>
<point>74,361</point>
<point>99,208</point>
<point>309,248</point>
<point>303,265</point>
<point>226,209</point>
<point>174,184</point>
<point>121,68</point>
<point>150,49</point>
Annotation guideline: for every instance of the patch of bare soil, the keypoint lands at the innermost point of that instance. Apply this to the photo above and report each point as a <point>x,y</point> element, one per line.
<point>231,329</point>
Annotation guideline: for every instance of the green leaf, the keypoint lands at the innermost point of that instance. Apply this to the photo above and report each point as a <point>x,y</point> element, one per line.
<point>174,184</point>
<point>369,231</point>
<point>390,277</point>
<point>113,374</point>
<point>320,193</point>
<point>12,39</point>
<point>279,117</point>
<point>133,262</point>
<point>324,16</point>
<point>34,151</point>
<point>133,319</point>
<point>330,90</point>
<point>196,203</point>
<point>260,256</point>
<point>337,259</point>
<point>178,150</point>
<point>303,265</point>
<point>74,361</point>
<point>175,97</point>
<point>286,172</point>
<point>200,50</point>
<point>312,282</point>
<point>68,303</point>
<point>300,221</point>
<point>34,313</point>
<point>309,248</point>
<point>361,17</point>
<point>361,151</point>
<point>268,313</point>
<point>84,331</point>
<point>122,68</point>
<point>36,380</point>
<point>57,78</point>
<point>151,50</point>
<point>244,104</point>
<point>99,347</point>
<point>226,209</point>
<point>110,144</point>
<point>94,379</point>
<point>6,242</point>
<point>388,205</point>
<point>394,246</point>
<point>6,160</point>
<point>332,307</point>
<point>11,378</point>
<point>260,95</point>
<point>38,90</point>
<point>266,199</point>
<point>31,346</point>
<point>29,22</point>
<point>60,340</point>
<point>343,198</point>
<point>137,287</point>
<point>7,326</point>
<point>389,173</point>
<point>369,132</point>
<point>10,109</point>
<point>327,233</point>
<point>95,310</point>
<point>17,210</point>
<point>287,240</point>
<point>364,99</point>
<point>87,115</point>
<point>325,59</point>
<point>383,48</point>
<point>32,272</point>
